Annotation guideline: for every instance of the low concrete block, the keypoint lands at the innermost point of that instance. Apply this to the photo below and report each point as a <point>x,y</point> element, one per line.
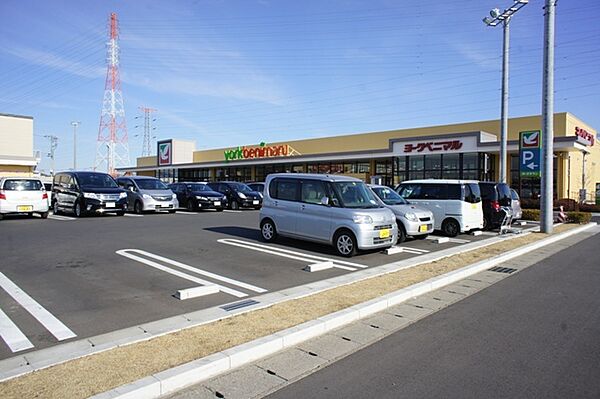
<point>393,250</point>
<point>340,318</point>
<point>303,332</point>
<point>316,267</point>
<point>370,307</point>
<point>253,350</point>
<point>441,240</point>
<point>191,373</point>
<point>476,233</point>
<point>148,387</point>
<point>195,292</point>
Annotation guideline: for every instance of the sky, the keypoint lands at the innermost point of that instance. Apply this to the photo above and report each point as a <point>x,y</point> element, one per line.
<point>226,73</point>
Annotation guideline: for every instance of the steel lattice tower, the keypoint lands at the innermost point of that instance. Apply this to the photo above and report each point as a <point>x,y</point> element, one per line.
<point>146,147</point>
<point>112,150</point>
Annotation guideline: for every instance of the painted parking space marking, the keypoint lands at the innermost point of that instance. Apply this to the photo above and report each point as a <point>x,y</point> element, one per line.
<point>134,254</point>
<point>186,213</point>
<point>455,240</point>
<point>47,319</point>
<point>230,211</point>
<point>60,217</point>
<point>12,336</point>
<point>286,253</point>
<point>416,251</point>
<point>133,215</point>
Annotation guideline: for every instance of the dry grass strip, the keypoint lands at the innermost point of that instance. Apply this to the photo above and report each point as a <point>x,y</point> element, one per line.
<point>90,375</point>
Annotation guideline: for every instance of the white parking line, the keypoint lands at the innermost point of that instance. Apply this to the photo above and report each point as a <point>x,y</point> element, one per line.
<point>12,336</point>
<point>416,251</point>
<point>455,240</point>
<point>290,254</point>
<point>230,211</point>
<point>47,319</point>
<point>128,253</point>
<point>186,213</point>
<point>133,215</point>
<point>60,217</point>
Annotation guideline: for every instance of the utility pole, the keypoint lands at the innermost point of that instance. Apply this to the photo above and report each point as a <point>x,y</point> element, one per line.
<point>53,145</point>
<point>547,179</point>
<point>75,125</point>
<point>146,147</point>
<point>496,19</point>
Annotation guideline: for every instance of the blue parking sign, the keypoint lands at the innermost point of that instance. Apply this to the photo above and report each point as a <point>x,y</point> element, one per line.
<point>530,153</point>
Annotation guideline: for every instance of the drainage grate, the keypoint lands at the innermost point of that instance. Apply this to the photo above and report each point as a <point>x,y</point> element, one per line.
<point>239,305</point>
<point>499,269</point>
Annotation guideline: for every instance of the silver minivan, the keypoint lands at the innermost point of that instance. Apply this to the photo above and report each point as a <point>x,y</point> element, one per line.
<point>146,193</point>
<point>337,210</point>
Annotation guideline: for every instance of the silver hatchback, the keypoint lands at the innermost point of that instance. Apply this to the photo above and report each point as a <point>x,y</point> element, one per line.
<point>148,194</point>
<point>412,220</point>
<point>337,210</point>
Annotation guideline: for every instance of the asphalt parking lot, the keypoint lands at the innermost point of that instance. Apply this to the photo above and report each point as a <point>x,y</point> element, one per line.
<point>65,278</point>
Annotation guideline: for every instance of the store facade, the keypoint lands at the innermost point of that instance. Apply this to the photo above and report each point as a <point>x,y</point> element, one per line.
<point>460,151</point>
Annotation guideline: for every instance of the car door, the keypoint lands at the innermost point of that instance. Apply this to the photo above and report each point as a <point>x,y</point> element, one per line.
<point>71,191</point>
<point>314,218</point>
<point>285,195</point>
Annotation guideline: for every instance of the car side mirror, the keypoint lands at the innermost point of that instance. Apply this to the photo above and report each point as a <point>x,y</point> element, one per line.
<point>132,189</point>
<point>325,201</point>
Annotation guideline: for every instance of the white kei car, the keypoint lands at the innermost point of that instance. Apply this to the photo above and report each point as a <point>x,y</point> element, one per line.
<point>23,195</point>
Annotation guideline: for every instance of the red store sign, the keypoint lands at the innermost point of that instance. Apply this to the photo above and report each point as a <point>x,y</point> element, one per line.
<point>584,137</point>
<point>433,146</point>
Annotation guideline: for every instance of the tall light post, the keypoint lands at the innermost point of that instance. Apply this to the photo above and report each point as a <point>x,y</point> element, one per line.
<point>547,151</point>
<point>75,125</point>
<point>504,17</point>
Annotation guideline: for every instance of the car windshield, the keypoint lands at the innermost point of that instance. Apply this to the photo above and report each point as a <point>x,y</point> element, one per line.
<point>240,187</point>
<point>198,187</point>
<point>389,196</point>
<point>150,184</point>
<point>355,195</point>
<point>22,185</point>
<point>99,180</point>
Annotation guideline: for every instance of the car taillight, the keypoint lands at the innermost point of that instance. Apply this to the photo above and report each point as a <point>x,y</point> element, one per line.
<point>496,205</point>
<point>45,196</point>
<point>2,196</point>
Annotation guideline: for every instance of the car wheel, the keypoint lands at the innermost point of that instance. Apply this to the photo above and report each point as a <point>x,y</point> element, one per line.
<point>44,215</point>
<point>219,209</point>
<point>450,227</point>
<point>77,209</point>
<point>486,224</point>
<point>401,233</point>
<point>121,213</point>
<point>344,243</point>
<point>137,207</point>
<point>190,206</point>
<point>234,205</point>
<point>1,216</point>
<point>268,230</point>
<point>55,209</point>
<point>172,211</point>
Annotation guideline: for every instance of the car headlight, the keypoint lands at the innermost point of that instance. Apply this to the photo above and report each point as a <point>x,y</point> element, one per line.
<point>93,196</point>
<point>242,195</point>
<point>411,216</point>
<point>201,198</point>
<point>174,196</point>
<point>146,196</point>
<point>124,195</point>
<point>362,219</point>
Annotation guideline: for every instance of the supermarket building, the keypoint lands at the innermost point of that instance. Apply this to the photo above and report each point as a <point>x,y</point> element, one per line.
<point>457,151</point>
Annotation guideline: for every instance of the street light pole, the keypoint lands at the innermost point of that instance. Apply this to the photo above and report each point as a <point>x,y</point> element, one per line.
<point>75,124</point>
<point>547,178</point>
<point>496,18</point>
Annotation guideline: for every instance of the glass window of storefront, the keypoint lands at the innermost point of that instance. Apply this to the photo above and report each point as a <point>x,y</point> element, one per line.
<point>528,187</point>
<point>467,166</point>
<point>194,175</point>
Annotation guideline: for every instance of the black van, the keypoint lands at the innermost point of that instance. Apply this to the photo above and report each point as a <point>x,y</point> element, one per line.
<point>494,196</point>
<point>87,192</point>
<point>238,194</point>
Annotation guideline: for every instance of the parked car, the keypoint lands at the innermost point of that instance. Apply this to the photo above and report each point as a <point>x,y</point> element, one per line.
<point>239,195</point>
<point>87,192</point>
<point>412,220</point>
<point>48,188</point>
<point>455,204</point>
<point>517,212</point>
<point>337,210</point>
<point>146,193</point>
<point>23,195</point>
<point>195,196</point>
<point>494,196</point>
<point>259,187</point>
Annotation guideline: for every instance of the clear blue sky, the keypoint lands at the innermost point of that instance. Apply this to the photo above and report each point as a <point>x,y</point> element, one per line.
<point>228,73</point>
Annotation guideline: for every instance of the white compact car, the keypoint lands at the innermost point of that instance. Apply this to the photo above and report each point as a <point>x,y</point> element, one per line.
<point>23,195</point>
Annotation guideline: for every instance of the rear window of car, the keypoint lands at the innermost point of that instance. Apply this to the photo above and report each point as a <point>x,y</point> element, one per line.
<point>431,191</point>
<point>514,195</point>
<point>22,185</point>
<point>488,191</point>
<point>286,190</point>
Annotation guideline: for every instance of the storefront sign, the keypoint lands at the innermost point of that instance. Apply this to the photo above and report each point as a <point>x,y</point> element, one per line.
<point>433,146</point>
<point>165,153</point>
<point>262,151</point>
<point>584,137</point>
<point>529,153</point>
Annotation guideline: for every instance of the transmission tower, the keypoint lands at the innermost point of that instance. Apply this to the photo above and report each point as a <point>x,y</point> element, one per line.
<point>112,150</point>
<point>146,148</point>
<point>53,144</point>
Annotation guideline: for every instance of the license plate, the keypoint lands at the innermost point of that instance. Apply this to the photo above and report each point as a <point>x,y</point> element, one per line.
<point>165,205</point>
<point>24,208</point>
<point>422,228</point>
<point>217,203</point>
<point>255,202</point>
<point>474,206</point>
<point>384,233</point>
<point>109,205</point>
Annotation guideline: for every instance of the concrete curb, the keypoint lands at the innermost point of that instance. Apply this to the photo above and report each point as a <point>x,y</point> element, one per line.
<point>174,379</point>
